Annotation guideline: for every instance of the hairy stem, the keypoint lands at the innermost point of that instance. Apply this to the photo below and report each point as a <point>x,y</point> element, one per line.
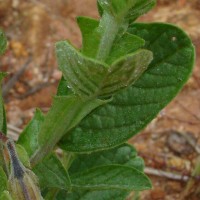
<point>110,28</point>
<point>65,114</point>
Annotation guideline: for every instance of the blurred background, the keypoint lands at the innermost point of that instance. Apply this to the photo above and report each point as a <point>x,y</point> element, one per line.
<point>170,145</point>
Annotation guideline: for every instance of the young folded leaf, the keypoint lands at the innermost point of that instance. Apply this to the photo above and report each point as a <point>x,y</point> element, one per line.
<point>127,9</point>
<point>90,78</point>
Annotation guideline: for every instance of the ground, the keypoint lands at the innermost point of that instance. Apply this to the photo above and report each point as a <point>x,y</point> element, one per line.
<point>169,145</point>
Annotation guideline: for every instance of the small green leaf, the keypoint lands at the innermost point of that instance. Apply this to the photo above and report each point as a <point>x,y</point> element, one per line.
<point>125,71</point>
<point>124,45</point>
<point>82,74</point>
<point>111,177</point>
<point>29,137</point>
<point>140,7</point>
<point>128,9</point>
<point>3,180</point>
<point>52,174</point>
<point>23,156</point>
<point>63,90</point>
<point>90,35</point>
<point>132,109</point>
<point>98,37</point>
<point>3,42</point>
<point>5,195</point>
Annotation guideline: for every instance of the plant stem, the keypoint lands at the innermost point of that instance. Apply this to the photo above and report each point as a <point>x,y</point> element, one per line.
<point>65,114</point>
<point>70,114</point>
<point>110,28</point>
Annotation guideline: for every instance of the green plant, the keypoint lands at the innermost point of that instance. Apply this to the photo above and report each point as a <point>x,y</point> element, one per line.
<point>111,88</point>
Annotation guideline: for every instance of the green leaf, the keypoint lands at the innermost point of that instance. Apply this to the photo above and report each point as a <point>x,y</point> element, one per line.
<point>5,195</point>
<point>111,177</point>
<point>90,35</point>
<point>23,156</point>
<point>124,45</point>
<point>125,71</point>
<point>91,195</point>
<point>132,109</point>
<point>82,74</point>
<point>65,113</point>
<point>125,155</point>
<point>63,90</point>
<point>51,173</point>
<point>128,9</point>
<point>3,42</point>
<point>98,37</point>
<point>3,180</point>
<point>87,77</point>
<point>140,7</point>
<point>29,137</point>
<point>3,126</point>
<point>122,155</point>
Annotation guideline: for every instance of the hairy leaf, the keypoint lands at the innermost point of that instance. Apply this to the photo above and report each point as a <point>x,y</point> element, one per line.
<point>51,173</point>
<point>29,137</point>
<point>98,37</point>
<point>124,45</point>
<point>140,7</point>
<point>66,112</point>
<point>82,74</point>
<point>125,155</point>
<point>111,177</point>
<point>125,71</point>
<point>122,155</point>
<point>132,109</point>
<point>87,77</point>
<point>128,9</point>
